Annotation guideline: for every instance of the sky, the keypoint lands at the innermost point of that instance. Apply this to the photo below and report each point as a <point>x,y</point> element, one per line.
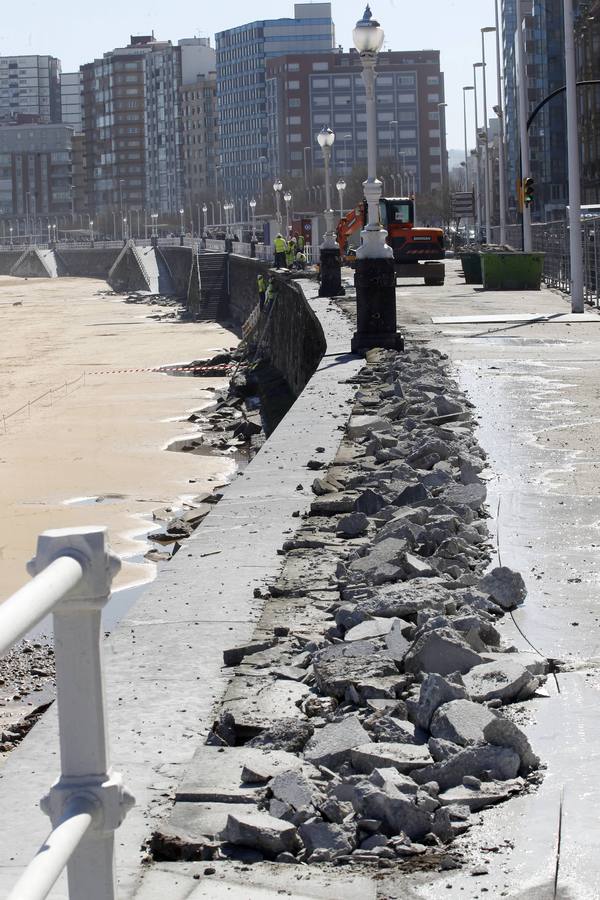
<point>77,32</point>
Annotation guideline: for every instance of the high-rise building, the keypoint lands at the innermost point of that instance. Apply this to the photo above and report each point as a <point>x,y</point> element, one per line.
<point>35,171</point>
<point>70,100</point>
<point>200,131</point>
<point>242,54</point>
<point>306,92</point>
<point>587,34</point>
<point>29,89</point>
<point>172,138</point>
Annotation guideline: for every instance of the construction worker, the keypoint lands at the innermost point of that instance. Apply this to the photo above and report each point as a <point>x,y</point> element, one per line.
<point>290,255</point>
<point>271,291</point>
<point>261,284</point>
<point>300,242</point>
<point>280,246</point>
<point>300,261</point>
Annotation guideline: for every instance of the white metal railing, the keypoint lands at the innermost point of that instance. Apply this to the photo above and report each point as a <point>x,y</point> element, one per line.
<point>73,572</point>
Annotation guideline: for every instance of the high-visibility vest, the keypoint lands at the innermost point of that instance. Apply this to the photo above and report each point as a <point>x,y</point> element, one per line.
<point>261,284</point>
<point>280,245</point>
<point>300,243</point>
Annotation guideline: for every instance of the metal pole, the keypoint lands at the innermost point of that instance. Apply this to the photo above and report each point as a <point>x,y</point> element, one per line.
<point>486,147</point>
<point>477,169</point>
<point>577,299</point>
<point>501,149</point>
<point>465,89</point>
<point>523,106</point>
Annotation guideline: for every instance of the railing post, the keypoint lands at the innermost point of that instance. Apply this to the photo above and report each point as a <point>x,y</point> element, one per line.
<point>85,767</point>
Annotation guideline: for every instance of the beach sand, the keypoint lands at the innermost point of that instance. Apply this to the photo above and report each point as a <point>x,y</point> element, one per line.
<point>105,434</point>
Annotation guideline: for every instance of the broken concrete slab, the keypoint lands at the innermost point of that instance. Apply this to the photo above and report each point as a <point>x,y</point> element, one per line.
<point>370,628</point>
<point>486,761</point>
<point>403,757</point>
<point>397,812</point>
<point>262,832</point>
<point>294,789</point>
<point>289,735</point>
<point>334,839</point>
<point>487,794</point>
<point>462,722</point>
<point>435,690</point>
<point>442,651</point>
<point>259,701</point>
<point>332,744</point>
<point>505,587</point>
<point>335,672</point>
<point>232,774</point>
<point>352,525</point>
<point>503,680</point>
<point>361,426</point>
<point>504,733</point>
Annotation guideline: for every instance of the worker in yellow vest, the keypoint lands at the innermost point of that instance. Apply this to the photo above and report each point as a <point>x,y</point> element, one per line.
<point>261,284</point>
<point>280,246</point>
<point>290,255</point>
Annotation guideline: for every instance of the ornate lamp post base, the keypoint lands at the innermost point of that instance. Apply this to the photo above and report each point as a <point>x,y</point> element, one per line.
<point>375,283</point>
<point>331,272</point>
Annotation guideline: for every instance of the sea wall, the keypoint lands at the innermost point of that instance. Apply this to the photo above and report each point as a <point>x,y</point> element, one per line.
<point>86,263</point>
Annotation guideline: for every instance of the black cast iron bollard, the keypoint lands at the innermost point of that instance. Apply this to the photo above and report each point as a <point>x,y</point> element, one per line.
<point>375,283</point>
<point>331,273</point>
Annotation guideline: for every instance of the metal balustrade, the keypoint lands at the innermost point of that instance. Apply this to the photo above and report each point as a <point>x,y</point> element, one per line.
<point>552,239</point>
<point>73,572</point>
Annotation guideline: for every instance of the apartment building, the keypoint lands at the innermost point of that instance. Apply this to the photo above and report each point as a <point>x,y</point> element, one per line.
<point>242,55</point>
<point>306,92</point>
<point>29,89</point>
<point>35,171</point>
<point>587,34</point>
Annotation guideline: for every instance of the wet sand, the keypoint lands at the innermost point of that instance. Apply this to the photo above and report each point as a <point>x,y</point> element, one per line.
<point>103,435</point>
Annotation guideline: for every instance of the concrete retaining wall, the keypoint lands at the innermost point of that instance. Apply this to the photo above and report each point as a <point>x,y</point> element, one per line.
<point>88,263</point>
<point>128,274</point>
<point>8,258</point>
<point>179,262</point>
<point>288,331</point>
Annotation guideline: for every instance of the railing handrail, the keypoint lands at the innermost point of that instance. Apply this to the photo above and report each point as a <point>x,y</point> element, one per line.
<point>73,572</point>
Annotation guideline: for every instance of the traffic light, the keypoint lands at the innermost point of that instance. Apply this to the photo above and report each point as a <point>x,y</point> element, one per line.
<point>528,191</point>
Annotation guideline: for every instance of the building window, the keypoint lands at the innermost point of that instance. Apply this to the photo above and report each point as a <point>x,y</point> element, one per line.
<point>433,98</point>
<point>320,82</point>
<point>294,102</point>
<point>433,79</point>
<point>407,134</point>
<point>341,82</point>
<point>293,67</point>
<point>293,85</point>
<point>320,67</point>
<point>406,98</point>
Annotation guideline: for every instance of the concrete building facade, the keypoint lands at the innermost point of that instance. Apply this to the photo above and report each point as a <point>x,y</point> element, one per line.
<point>588,52</point>
<point>29,89</point>
<point>70,100</point>
<point>307,92</point>
<point>242,55</point>
<point>200,139</point>
<point>35,172</point>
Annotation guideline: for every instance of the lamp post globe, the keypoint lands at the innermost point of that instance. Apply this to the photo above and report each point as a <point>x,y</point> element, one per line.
<point>374,276</point>
<point>330,268</point>
<point>287,197</point>
<point>253,239</point>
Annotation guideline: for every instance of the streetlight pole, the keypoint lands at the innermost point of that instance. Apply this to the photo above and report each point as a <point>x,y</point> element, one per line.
<point>375,276</point>
<point>576,250</point>
<point>288,199</point>
<point>330,272</point>
<point>488,191</point>
<point>277,188</point>
<point>204,219</point>
<point>478,192</point>
<point>181,227</point>
<point>523,108</point>
<point>341,187</point>
<point>468,87</point>
<point>91,232</point>
<point>501,149</point>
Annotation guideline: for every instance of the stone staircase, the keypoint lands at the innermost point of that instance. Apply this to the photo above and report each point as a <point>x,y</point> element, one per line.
<point>213,278</point>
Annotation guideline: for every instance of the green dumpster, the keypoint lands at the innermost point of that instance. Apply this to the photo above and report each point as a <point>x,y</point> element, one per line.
<point>471,266</point>
<point>512,271</point>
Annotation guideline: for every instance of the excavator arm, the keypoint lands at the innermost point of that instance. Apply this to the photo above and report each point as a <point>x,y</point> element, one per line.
<point>351,222</point>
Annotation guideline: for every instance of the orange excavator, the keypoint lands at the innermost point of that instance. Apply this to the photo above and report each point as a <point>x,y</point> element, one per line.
<point>417,251</point>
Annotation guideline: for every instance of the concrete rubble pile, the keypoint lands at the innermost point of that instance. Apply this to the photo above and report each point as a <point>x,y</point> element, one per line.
<point>377,672</point>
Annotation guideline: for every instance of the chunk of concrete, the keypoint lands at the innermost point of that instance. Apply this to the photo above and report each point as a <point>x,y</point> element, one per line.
<point>326,836</point>
<point>335,673</point>
<point>402,600</point>
<point>370,628</point>
<point>463,722</point>
<point>295,789</point>
<point>442,651</point>
<point>261,831</point>
<point>403,757</point>
<point>471,495</point>
<point>397,812</point>
<point>352,525</point>
<point>502,680</point>
<point>332,744</point>
<point>499,763</point>
<point>369,502</point>
<point>504,733</point>
<point>289,735</point>
<point>487,794</point>
<point>398,646</point>
<point>359,426</point>
<point>505,587</point>
<point>435,690</point>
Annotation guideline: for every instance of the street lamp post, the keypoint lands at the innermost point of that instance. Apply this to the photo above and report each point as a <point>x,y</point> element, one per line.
<point>499,110</point>
<point>576,253</point>
<point>181,227</point>
<point>253,238</point>
<point>277,188</point>
<point>91,232</point>
<point>341,187</point>
<point>468,87</point>
<point>479,194</point>
<point>330,268</point>
<point>204,219</point>
<point>124,231</point>
<point>523,104</point>
<point>287,199</point>
<point>375,276</point>
<point>488,192</point>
